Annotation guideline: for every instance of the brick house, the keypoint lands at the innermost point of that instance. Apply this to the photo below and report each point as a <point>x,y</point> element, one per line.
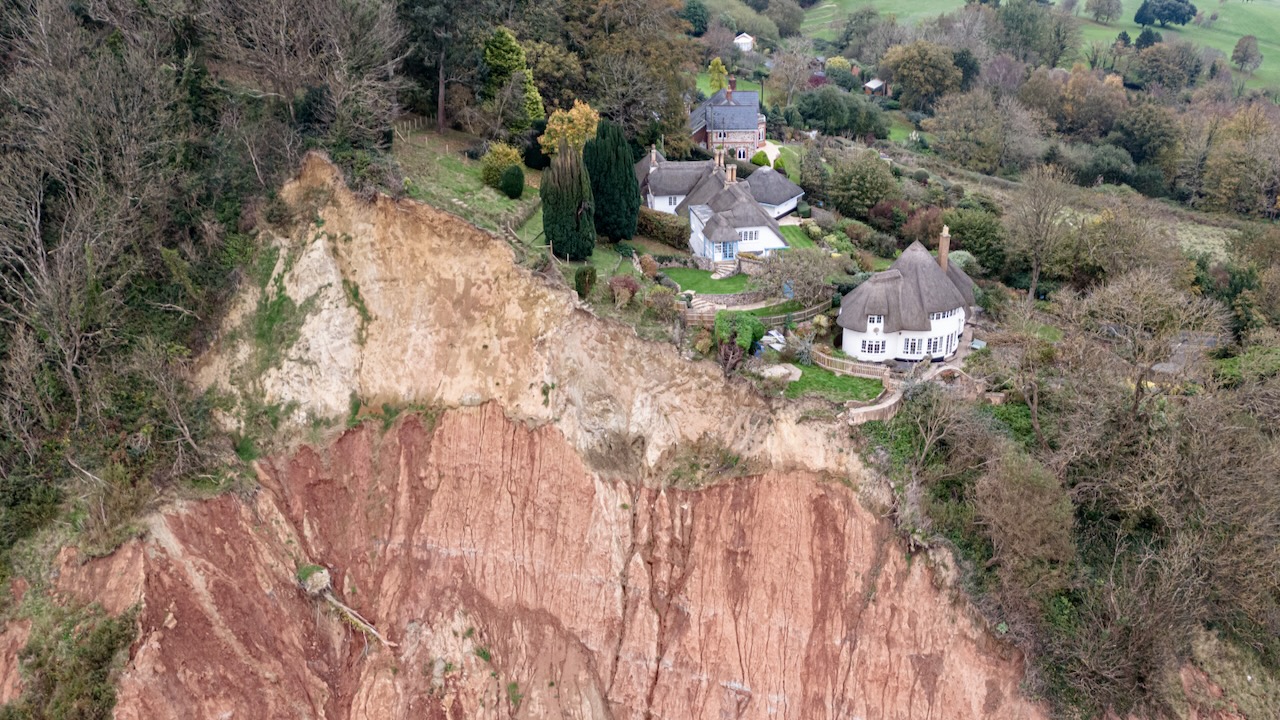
<point>729,119</point>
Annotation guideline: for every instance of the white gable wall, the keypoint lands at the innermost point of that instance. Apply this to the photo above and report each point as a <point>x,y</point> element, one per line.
<point>946,331</point>
<point>777,211</point>
<point>664,203</point>
<point>765,242</point>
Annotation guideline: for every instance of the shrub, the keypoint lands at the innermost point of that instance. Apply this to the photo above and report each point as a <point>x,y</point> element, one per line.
<point>888,215</point>
<point>499,157</point>
<point>856,231</point>
<point>739,328</point>
<point>981,201</point>
<point>667,229</point>
<point>648,266</point>
<point>512,182</point>
<point>803,209</point>
<point>980,233</point>
<point>534,157</point>
<point>780,166</point>
<point>840,243</point>
<point>661,303</point>
<point>584,279</point>
<point>924,226</point>
<point>882,244</point>
<point>921,176</point>
<point>625,249</point>
<point>760,159</point>
<point>813,230</point>
<point>623,288</point>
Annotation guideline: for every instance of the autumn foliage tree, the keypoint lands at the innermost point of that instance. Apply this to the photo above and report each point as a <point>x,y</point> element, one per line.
<point>923,71</point>
<point>571,128</point>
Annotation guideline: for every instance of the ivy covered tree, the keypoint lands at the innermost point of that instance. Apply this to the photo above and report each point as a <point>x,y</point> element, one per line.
<point>696,14</point>
<point>607,159</point>
<point>567,208</point>
<point>509,73</point>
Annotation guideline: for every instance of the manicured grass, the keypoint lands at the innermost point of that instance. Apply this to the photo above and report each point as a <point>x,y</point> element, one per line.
<point>700,281</point>
<point>653,247</point>
<point>783,308</point>
<point>796,237</point>
<point>744,83</point>
<point>441,176</point>
<point>790,156</point>
<point>819,382</point>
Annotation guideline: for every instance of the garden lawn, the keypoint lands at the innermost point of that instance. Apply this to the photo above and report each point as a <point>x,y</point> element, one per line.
<point>704,83</point>
<point>790,306</point>
<point>823,383</point>
<point>700,281</point>
<point>796,237</point>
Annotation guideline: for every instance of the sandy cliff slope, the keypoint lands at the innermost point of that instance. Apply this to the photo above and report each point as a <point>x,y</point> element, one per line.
<point>525,550</point>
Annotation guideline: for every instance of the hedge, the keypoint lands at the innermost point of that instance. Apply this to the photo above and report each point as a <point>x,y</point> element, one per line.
<point>667,229</point>
<point>760,158</point>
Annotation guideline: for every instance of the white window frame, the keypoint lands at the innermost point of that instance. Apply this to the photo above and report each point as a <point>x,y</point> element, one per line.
<point>748,235</point>
<point>727,251</point>
<point>875,319</point>
<point>721,134</point>
<point>671,201</point>
<point>742,153</point>
<point>935,343</point>
<point>911,346</point>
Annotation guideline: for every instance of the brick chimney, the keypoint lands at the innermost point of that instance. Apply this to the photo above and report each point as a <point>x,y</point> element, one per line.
<point>732,176</point>
<point>733,82</point>
<point>653,158</point>
<point>944,247</point>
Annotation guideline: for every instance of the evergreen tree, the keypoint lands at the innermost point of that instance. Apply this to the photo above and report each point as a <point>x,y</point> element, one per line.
<point>1147,38</point>
<point>607,159</point>
<point>1145,16</point>
<point>719,75</point>
<point>567,214</point>
<point>503,57</point>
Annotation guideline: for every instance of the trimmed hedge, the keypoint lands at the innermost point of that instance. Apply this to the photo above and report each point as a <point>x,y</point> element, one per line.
<point>667,229</point>
<point>760,158</point>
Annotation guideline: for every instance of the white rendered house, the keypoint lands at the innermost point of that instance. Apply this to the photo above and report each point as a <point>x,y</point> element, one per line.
<point>745,42</point>
<point>915,310</point>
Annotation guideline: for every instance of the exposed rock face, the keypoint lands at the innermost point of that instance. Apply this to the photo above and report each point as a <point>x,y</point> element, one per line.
<point>527,555</point>
<point>491,555</point>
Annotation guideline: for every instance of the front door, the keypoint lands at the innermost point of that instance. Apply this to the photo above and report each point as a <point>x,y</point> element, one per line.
<point>726,251</point>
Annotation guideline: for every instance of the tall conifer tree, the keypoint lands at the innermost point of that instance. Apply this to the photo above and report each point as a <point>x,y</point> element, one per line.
<point>568,218</point>
<point>607,159</point>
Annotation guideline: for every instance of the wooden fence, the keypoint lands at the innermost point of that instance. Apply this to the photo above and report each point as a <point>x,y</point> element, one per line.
<point>843,366</point>
<point>706,317</point>
<point>798,316</point>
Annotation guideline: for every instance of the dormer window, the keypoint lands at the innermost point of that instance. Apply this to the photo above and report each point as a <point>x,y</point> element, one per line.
<point>875,319</point>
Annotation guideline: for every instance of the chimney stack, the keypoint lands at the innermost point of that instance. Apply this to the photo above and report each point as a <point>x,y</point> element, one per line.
<point>733,174</point>
<point>733,83</point>
<point>944,246</point>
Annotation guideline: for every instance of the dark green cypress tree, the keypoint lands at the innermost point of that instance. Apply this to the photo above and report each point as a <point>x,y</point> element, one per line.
<point>607,159</point>
<point>568,218</point>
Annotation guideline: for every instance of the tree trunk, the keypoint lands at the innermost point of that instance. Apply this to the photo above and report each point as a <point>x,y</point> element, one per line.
<point>1035,280</point>
<point>1033,403</point>
<point>440,95</point>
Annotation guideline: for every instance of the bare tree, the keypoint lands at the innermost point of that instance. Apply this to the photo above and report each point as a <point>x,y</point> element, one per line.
<point>791,70</point>
<point>1038,226</point>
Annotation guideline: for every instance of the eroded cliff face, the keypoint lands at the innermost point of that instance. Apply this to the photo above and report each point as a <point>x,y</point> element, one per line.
<point>526,551</point>
<point>518,583</point>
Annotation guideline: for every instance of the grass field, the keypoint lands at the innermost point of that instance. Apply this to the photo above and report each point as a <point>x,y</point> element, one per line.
<point>796,237</point>
<point>441,176</point>
<point>1236,19</point>
<point>700,281</point>
<point>836,388</point>
<point>826,19</point>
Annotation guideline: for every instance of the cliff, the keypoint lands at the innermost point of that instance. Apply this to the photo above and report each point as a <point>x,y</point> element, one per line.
<point>553,544</point>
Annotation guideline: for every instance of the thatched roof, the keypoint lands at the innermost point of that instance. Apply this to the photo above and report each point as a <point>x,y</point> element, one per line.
<point>771,187</point>
<point>645,165</point>
<point>678,178</point>
<point>906,294</point>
